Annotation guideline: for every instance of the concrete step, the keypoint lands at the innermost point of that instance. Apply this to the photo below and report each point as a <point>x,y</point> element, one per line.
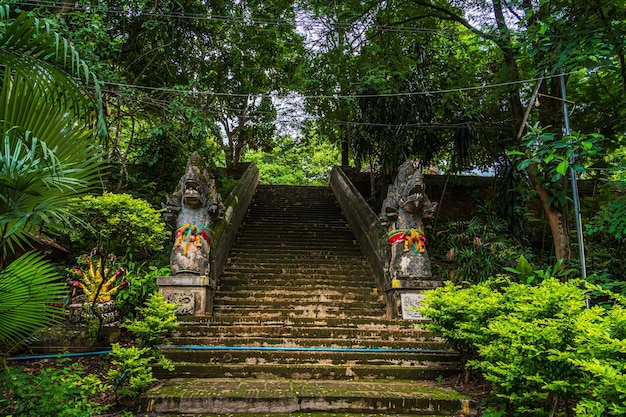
<point>286,274</point>
<point>354,323</point>
<point>288,252</point>
<point>306,355</point>
<point>253,286</point>
<point>288,396</point>
<point>294,296</point>
<point>307,371</point>
<point>269,330</point>
<point>295,256</point>
<point>265,341</point>
<point>276,310</point>
<point>249,257</point>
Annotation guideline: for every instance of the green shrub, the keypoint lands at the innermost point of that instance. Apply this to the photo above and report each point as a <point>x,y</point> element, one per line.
<point>62,392</point>
<point>120,224</point>
<point>131,373</point>
<point>539,346</point>
<point>133,365</point>
<point>477,249</point>
<point>157,321</point>
<point>142,285</point>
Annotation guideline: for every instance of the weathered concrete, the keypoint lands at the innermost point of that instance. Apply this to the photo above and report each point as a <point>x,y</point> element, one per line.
<point>295,395</point>
<point>225,231</point>
<point>364,224</point>
<point>192,293</point>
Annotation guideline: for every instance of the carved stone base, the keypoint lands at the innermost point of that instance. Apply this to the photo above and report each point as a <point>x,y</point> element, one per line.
<point>404,295</point>
<point>192,293</point>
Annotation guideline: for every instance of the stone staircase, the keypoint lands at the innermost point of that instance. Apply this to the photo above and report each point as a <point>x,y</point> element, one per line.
<point>299,328</point>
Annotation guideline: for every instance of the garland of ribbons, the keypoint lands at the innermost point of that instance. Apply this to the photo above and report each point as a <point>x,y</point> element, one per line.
<point>412,238</point>
<point>188,233</point>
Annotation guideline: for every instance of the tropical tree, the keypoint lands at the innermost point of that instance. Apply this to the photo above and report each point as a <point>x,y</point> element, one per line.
<point>48,156</point>
<point>519,40</point>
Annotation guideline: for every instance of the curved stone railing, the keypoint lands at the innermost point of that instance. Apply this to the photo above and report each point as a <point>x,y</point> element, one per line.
<point>236,206</point>
<point>364,224</point>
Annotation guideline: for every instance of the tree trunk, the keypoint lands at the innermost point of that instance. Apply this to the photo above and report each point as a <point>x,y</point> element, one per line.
<point>556,220</point>
<point>345,153</point>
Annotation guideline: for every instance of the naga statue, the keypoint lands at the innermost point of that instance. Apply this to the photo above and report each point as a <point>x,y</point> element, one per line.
<point>402,212</point>
<point>197,207</point>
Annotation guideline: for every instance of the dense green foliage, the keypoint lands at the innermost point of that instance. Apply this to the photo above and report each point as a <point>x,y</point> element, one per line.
<point>63,392</point>
<point>550,156</point>
<point>120,224</point>
<point>539,346</point>
<point>142,285</point>
<point>296,162</point>
<point>132,371</point>
<point>476,249</point>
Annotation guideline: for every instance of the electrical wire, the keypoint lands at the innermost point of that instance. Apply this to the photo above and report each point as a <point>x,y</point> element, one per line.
<point>333,96</point>
<point>246,20</point>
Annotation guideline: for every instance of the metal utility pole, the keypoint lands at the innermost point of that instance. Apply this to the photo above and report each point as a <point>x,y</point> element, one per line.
<point>574,180</point>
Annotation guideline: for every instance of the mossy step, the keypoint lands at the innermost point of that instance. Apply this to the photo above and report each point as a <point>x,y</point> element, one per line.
<point>338,274</point>
<point>259,330</point>
<point>318,309</point>
<point>251,355</point>
<point>311,224</point>
<point>283,269</point>
<point>359,285</point>
<point>249,288</point>
<point>296,224</point>
<point>303,258</point>
<point>356,323</point>
<point>282,313</point>
<point>230,340</point>
<point>288,252</point>
<point>296,233</point>
<point>328,216</point>
<point>330,245</point>
<point>294,297</point>
<point>263,260</point>
<point>306,371</point>
<point>295,257</point>
<point>280,253</point>
<point>226,396</point>
<point>296,414</point>
<point>295,288</point>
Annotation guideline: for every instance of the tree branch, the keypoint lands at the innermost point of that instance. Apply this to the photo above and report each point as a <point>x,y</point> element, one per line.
<point>448,15</point>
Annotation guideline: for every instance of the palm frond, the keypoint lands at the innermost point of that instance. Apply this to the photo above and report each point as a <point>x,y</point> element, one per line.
<point>46,156</point>
<point>30,38</point>
<point>29,289</point>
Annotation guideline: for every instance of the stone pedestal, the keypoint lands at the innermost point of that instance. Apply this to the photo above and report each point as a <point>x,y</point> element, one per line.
<point>192,293</point>
<point>404,294</point>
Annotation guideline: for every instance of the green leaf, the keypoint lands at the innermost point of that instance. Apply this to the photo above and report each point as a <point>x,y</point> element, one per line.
<point>524,164</point>
<point>30,291</point>
<point>562,167</point>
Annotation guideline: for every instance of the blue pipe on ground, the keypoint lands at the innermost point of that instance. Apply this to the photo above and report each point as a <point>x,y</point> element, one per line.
<point>309,349</point>
<point>240,348</point>
<point>58,355</point>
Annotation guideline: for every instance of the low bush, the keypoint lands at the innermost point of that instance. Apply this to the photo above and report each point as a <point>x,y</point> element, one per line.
<point>65,392</point>
<point>118,223</point>
<point>540,347</point>
<point>132,373</point>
